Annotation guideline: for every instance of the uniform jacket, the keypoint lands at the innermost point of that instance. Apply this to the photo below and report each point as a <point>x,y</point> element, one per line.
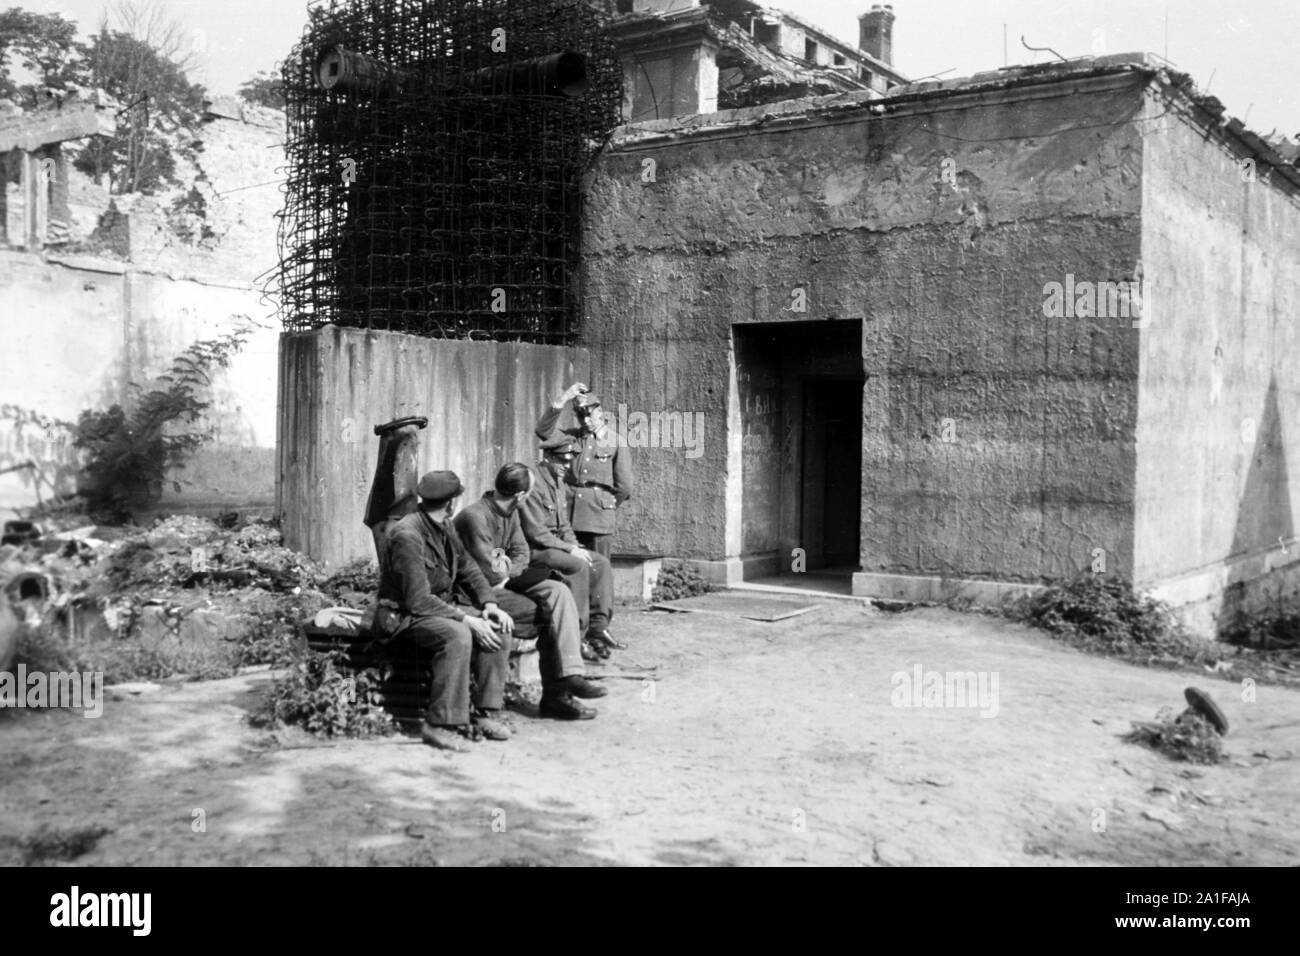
<point>601,477</point>
<point>545,513</point>
<point>482,529</point>
<point>427,563</point>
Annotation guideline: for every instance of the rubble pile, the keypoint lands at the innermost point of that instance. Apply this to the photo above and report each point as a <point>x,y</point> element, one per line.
<point>186,596</point>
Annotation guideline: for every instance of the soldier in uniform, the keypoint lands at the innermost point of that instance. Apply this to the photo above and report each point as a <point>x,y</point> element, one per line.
<point>600,476</point>
<point>544,515</point>
<point>426,561</point>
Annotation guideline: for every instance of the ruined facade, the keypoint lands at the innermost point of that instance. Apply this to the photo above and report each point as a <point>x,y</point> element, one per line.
<point>857,296</point>
<point>102,291</point>
<point>682,57</point>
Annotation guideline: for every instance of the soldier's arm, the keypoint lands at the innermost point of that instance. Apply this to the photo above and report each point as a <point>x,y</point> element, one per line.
<point>406,554</point>
<point>538,534</point>
<point>622,477</point>
<point>546,425</point>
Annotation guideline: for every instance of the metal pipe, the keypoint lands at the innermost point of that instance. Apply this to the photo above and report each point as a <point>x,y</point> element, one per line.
<point>559,74</point>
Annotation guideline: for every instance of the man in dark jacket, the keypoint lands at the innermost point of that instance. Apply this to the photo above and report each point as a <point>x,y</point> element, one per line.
<point>426,563</point>
<point>493,537</point>
<point>544,516</point>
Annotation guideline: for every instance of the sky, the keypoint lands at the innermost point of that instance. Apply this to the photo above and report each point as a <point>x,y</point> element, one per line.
<point>1242,50</point>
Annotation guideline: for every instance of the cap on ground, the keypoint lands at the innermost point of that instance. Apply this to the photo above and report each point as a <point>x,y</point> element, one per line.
<point>439,486</point>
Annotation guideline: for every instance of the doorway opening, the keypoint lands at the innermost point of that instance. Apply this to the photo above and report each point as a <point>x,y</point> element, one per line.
<point>801,394</point>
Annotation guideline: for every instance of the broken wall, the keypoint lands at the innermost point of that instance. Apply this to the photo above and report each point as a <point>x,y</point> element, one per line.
<point>482,400</point>
<point>77,331</point>
<point>938,227</point>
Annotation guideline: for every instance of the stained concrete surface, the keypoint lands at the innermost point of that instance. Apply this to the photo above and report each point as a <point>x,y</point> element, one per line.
<point>744,743</point>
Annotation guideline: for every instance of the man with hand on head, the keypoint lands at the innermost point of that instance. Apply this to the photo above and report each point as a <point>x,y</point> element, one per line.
<point>599,475</point>
<point>427,563</point>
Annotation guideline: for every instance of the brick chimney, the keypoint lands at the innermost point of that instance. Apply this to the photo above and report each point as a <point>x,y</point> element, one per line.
<point>876,33</point>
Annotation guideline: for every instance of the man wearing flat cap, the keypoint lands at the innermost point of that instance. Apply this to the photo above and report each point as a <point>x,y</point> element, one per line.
<point>427,565</point>
<point>600,476</point>
<point>544,516</point>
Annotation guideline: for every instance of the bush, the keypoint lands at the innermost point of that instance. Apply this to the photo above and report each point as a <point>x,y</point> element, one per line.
<point>320,696</point>
<point>678,580</point>
<point>1105,613</point>
<point>128,454</point>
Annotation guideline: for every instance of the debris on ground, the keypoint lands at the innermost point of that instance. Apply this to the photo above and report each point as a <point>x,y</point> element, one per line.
<point>186,596</point>
<point>1187,736</point>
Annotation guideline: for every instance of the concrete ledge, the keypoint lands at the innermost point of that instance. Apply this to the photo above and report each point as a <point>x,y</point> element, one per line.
<point>730,571</point>
<point>1205,599</point>
<point>931,589</point>
<point>634,576</point>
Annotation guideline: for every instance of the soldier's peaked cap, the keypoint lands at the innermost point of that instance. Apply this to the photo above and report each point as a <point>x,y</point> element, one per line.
<point>559,445</point>
<point>439,486</point>
<point>585,401</point>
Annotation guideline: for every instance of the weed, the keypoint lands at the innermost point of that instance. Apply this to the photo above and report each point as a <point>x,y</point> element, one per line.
<point>61,845</point>
<point>1189,737</point>
<point>678,580</point>
<point>320,695</point>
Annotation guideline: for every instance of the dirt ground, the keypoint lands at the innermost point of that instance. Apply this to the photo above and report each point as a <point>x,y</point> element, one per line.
<point>725,742</point>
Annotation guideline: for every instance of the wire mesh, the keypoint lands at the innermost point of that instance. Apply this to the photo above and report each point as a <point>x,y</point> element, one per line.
<point>434,187</point>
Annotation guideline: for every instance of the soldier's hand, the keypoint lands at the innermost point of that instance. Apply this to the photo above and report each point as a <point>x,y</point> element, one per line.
<point>570,393</point>
<point>483,635</point>
<point>584,554</point>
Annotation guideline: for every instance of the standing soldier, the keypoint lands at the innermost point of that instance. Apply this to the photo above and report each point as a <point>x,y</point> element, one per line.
<point>601,477</point>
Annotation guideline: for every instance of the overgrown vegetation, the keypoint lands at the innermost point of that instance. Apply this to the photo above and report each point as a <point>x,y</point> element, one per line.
<point>128,454</point>
<point>678,580</point>
<point>264,89</point>
<point>1103,613</point>
<point>320,695</point>
<point>61,845</point>
<point>1187,736</point>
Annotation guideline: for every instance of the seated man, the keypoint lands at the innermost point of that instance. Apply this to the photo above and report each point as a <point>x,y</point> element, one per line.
<point>425,561</point>
<point>492,536</point>
<point>544,515</point>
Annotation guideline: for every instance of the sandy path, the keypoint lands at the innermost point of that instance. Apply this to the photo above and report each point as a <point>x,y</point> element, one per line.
<point>756,744</point>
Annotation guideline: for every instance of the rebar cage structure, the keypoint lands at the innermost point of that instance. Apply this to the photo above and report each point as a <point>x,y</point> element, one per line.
<point>435,156</point>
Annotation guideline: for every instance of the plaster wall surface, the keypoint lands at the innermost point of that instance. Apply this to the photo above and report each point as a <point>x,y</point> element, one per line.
<point>75,336</point>
<point>1219,422</point>
<point>938,228</point>
<point>482,399</point>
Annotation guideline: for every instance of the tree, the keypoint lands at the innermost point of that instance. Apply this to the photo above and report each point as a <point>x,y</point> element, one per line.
<point>45,45</point>
<point>264,89</point>
<point>142,65</point>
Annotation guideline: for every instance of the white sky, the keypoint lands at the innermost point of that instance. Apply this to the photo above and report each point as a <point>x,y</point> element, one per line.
<point>1242,49</point>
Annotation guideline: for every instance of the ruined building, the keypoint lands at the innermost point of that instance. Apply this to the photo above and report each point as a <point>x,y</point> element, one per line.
<point>938,339</point>
<point>682,57</point>
<point>971,337</point>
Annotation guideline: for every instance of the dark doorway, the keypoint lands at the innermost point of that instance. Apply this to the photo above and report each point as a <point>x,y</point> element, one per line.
<point>832,471</point>
<point>800,389</point>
